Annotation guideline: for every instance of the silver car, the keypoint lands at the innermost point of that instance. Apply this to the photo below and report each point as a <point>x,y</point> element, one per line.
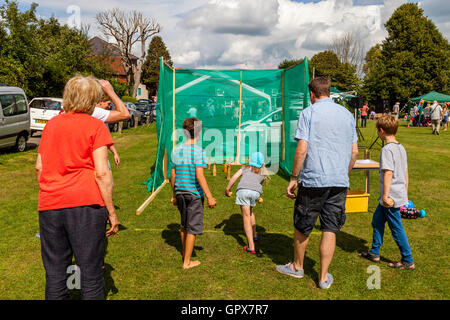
<point>14,118</point>
<point>135,115</point>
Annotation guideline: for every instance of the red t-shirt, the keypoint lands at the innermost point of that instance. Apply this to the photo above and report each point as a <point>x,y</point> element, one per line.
<point>68,172</point>
<point>364,110</point>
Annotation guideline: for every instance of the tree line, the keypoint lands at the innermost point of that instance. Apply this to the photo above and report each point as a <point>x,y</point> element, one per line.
<point>41,55</point>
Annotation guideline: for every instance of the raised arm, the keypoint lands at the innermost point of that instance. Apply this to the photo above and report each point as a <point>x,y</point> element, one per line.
<point>104,181</point>
<point>121,112</point>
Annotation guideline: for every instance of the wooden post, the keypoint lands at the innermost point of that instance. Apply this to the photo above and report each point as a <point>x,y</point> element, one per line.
<point>228,171</point>
<point>165,164</point>
<point>283,151</point>
<point>174,133</point>
<point>238,141</point>
<point>225,166</point>
<point>147,120</point>
<point>150,199</point>
<point>136,122</point>
<point>119,130</point>
<point>214,169</point>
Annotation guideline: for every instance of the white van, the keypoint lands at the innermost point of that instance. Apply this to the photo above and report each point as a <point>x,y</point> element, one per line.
<point>14,118</point>
<point>42,110</point>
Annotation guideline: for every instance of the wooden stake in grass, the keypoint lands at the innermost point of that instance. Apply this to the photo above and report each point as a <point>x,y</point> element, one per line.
<point>225,166</point>
<point>228,166</point>
<point>150,199</point>
<point>214,169</point>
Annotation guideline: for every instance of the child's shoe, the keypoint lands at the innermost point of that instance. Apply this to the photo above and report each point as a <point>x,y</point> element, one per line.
<point>248,250</point>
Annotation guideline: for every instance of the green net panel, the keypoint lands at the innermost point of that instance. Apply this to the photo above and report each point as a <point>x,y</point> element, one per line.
<point>242,111</point>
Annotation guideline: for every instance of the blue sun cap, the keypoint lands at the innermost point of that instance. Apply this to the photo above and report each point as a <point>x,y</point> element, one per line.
<point>256,160</point>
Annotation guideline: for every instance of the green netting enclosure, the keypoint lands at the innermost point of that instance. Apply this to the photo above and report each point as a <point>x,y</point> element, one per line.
<point>242,111</point>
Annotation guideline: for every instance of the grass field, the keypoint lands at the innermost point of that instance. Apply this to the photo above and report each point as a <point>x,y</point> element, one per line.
<point>144,261</point>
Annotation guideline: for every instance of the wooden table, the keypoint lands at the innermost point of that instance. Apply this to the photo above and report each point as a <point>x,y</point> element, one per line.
<point>366,165</point>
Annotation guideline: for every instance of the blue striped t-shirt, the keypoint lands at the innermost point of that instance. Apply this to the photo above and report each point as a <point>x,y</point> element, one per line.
<point>186,159</point>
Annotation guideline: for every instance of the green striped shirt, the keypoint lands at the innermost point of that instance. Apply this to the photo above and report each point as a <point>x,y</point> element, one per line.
<point>186,159</point>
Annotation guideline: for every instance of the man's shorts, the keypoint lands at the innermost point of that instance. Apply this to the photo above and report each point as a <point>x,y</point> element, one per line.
<point>328,203</point>
<point>191,211</point>
<point>246,197</point>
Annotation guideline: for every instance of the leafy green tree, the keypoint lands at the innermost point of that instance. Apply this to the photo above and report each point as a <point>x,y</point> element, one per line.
<point>41,55</point>
<point>327,64</point>
<point>415,58</point>
<point>122,89</point>
<point>286,63</point>
<point>150,68</point>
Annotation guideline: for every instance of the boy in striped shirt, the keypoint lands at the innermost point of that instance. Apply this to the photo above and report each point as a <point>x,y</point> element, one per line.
<point>190,187</point>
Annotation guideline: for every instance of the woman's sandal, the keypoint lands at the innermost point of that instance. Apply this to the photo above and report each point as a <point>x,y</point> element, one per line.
<point>402,265</point>
<point>370,256</point>
<point>248,250</point>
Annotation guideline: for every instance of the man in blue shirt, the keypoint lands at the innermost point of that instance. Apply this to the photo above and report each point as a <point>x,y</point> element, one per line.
<point>327,149</point>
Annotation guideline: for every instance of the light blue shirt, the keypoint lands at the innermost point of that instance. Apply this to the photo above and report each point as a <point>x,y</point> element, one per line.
<point>330,131</point>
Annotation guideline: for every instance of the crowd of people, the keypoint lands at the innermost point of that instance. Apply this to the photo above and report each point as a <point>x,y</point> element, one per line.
<point>433,115</point>
<point>76,186</point>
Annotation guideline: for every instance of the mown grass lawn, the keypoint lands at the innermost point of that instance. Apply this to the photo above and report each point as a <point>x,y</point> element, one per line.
<point>144,262</point>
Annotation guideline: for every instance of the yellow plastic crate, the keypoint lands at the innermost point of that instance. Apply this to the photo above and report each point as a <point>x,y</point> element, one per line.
<point>357,201</point>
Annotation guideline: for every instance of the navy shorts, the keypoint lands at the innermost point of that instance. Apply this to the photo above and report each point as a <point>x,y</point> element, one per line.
<point>328,203</point>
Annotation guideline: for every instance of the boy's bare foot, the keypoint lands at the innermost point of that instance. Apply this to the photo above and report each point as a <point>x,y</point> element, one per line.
<point>191,264</point>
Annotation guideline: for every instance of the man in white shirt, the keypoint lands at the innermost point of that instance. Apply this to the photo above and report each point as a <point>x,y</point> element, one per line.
<point>109,116</point>
<point>436,116</point>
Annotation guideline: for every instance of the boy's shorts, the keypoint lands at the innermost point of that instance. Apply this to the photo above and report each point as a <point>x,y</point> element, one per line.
<point>328,203</point>
<point>191,211</point>
<point>246,197</point>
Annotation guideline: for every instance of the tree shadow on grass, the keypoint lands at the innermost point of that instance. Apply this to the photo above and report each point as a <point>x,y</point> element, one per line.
<point>278,247</point>
<point>172,237</point>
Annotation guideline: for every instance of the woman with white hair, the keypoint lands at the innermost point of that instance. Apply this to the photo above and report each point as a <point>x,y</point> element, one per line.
<point>75,191</point>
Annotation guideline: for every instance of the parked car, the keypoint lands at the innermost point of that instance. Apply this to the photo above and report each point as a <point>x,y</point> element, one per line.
<point>149,101</point>
<point>114,126</point>
<point>42,110</point>
<point>147,109</point>
<point>14,118</point>
<point>135,115</point>
<point>268,128</point>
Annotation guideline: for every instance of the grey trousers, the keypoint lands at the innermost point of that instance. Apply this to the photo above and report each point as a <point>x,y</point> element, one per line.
<point>73,232</point>
<point>435,125</point>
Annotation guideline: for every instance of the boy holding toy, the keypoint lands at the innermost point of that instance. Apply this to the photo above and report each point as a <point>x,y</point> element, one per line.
<point>393,195</point>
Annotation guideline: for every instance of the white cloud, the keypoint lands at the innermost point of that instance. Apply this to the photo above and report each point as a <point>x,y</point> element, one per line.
<point>255,33</point>
<point>187,58</point>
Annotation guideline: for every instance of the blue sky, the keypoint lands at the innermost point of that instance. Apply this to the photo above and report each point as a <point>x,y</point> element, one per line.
<point>223,33</point>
